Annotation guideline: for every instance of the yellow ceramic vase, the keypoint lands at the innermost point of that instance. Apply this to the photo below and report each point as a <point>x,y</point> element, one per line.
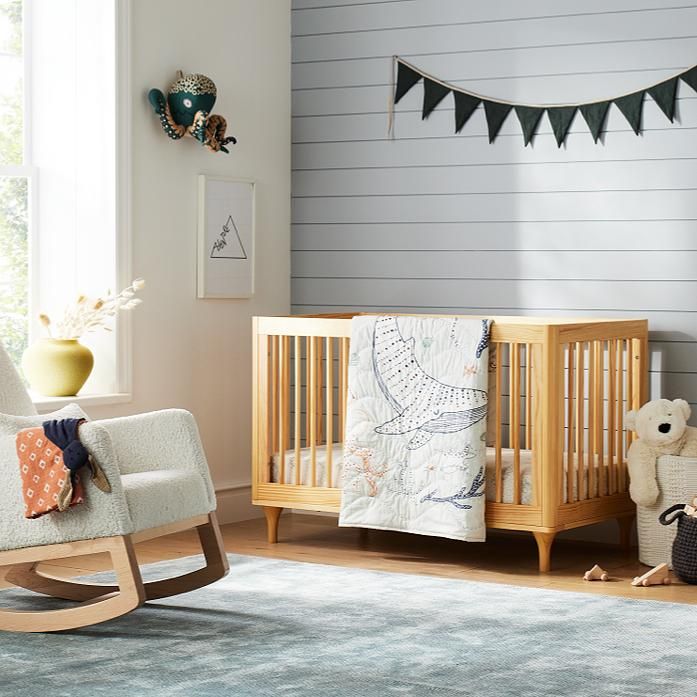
<point>57,367</point>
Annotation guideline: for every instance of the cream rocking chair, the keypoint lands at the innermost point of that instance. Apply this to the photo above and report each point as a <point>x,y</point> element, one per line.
<point>160,484</point>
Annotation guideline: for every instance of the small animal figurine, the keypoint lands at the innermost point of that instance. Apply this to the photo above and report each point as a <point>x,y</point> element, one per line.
<point>186,111</point>
<point>658,576</point>
<point>596,574</point>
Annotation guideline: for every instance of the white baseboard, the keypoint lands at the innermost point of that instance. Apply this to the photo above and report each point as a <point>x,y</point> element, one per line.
<point>235,503</point>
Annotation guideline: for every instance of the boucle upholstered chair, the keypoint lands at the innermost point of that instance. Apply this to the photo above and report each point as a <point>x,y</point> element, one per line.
<point>160,484</point>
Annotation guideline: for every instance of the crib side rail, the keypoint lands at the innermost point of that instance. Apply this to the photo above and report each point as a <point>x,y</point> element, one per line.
<point>300,392</point>
<point>601,374</point>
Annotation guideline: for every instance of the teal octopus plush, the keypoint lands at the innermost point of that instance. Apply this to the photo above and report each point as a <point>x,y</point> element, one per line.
<point>186,111</point>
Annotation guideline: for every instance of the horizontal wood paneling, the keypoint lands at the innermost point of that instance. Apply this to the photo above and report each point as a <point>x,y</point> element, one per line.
<point>639,58</point>
<point>340,16</point>
<point>638,296</point>
<point>473,148</point>
<point>493,179</point>
<point>616,235</point>
<point>594,205</point>
<point>474,38</point>
<point>436,222</point>
<point>531,265</point>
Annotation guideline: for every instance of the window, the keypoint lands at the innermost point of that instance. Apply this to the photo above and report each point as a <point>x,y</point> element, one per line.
<point>15,178</point>
<point>58,169</point>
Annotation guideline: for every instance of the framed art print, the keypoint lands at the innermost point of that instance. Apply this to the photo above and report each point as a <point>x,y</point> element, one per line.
<point>225,237</point>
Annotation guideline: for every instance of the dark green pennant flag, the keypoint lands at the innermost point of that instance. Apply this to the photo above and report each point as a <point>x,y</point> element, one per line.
<point>406,79</point>
<point>631,106</point>
<point>560,118</point>
<point>529,117</point>
<point>496,113</point>
<point>690,78</point>
<point>465,105</point>
<point>434,93</point>
<point>595,115</point>
<point>664,95</point>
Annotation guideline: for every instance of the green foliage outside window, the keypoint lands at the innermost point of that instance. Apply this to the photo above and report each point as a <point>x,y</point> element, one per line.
<point>14,253</point>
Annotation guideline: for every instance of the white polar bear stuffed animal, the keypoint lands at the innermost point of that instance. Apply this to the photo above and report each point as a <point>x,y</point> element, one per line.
<point>662,429</point>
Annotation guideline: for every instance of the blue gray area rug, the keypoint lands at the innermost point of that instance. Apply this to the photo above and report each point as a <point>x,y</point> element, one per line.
<point>290,629</point>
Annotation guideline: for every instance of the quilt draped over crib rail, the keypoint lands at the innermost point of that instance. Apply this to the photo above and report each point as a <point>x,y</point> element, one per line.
<point>415,444</point>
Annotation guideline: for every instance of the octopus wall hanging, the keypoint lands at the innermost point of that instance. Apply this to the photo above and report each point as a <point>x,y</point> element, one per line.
<point>185,111</point>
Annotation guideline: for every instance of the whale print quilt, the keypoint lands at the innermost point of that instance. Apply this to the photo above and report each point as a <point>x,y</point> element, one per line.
<point>415,443</point>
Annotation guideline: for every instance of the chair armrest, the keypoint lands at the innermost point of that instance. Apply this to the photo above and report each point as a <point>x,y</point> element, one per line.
<point>102,515</point>
<point>159,440</point>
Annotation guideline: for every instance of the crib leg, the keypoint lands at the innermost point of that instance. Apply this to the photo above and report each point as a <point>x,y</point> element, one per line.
<point>272,513</point>
<point>626,525</point>
<point>544,549</point>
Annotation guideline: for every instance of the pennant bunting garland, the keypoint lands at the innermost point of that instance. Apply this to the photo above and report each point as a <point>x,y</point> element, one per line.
<point>690,78</point>
<point>560,118</point>
<point>595,114</point>
<point>496,113</point>
<point>406,79</point>
<point>434,93</point>
<point>631,105</point>
<point>465,105</point>
<point>529,116</point>
<point>664,95</point>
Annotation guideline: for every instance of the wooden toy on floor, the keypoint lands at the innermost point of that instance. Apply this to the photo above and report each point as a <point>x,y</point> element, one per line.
<point>657,576</point>
<point>596,574</point>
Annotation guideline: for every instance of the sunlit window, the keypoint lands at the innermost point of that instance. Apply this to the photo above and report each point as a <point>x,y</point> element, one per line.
<point>58,169</point>
<point>15,173</point>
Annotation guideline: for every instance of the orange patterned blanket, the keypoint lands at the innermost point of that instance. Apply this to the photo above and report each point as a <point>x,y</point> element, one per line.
<point>50,470</point>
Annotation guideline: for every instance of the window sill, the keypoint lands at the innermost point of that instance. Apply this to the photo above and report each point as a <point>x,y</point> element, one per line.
<point>44,404</point>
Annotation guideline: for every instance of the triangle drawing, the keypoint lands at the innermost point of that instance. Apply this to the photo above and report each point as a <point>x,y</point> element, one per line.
<point>228,248</point>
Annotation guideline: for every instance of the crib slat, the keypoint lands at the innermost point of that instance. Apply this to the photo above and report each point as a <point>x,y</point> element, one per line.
<point>312,406</point>
<point>262,460</point>
<point>591,418</point>
<point>273,380</point>
<point>537,422</point>
<point>298,407</point>
<point>570,425</point>
<point>282,423</point>
<point>345,347</point>
<point>619,439</point>
<point>580,423</point>
<point>342,390</point>
<point>329,426</point>
<point>611,380</point>
<point>600,415</point>
<point>320,396</point>
<point>528,396</point>
<point>499,416</point>
<point>308,342</point>
<point>514,420</point>
<point>630,388</point>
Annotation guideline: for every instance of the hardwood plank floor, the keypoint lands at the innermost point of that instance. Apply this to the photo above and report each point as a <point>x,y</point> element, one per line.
<point>505,558</point>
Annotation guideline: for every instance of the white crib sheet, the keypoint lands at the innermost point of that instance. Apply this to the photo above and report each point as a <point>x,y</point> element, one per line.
<point>506,468</point>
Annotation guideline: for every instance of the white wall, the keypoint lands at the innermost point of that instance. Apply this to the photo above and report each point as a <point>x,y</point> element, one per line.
<point>432,221</point>
<point>191,353</point>
<point>437,222</point>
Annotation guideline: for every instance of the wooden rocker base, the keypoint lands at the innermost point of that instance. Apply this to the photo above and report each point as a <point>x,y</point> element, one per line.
<point>101,602</point>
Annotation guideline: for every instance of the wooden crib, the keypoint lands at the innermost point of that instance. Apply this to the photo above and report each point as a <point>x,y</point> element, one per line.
<point>558,392</point>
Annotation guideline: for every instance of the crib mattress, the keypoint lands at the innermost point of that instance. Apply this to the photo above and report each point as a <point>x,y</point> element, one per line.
<point>507,469</point>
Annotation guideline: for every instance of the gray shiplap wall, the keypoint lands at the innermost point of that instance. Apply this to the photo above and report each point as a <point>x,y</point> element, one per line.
<point>434,222</point>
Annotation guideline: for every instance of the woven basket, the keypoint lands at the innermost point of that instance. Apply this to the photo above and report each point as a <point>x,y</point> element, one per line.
<point>685,545</point>
<point>677,483</point>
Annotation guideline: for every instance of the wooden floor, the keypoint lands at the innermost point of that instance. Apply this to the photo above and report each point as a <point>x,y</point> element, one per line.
<point>510,559</point>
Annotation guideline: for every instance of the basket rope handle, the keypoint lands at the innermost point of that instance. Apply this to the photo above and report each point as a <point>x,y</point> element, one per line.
<point>677,509</point>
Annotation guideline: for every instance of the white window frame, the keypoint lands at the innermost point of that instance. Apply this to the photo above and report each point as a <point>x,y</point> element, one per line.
<point>123,197</point>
